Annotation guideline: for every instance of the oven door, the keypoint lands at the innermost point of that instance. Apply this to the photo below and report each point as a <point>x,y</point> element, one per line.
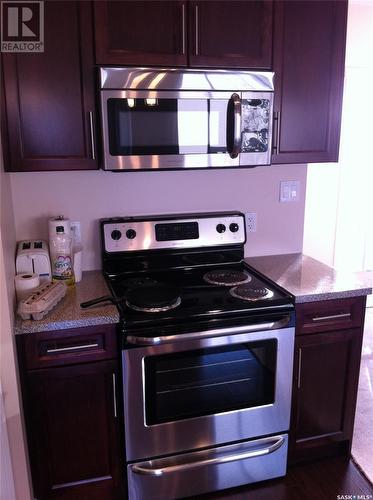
<point>197,393</point>
<point>145,130</point>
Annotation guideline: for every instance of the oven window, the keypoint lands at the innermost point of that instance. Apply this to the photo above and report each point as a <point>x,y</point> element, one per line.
<point>208,381</point>
<point>166,126</point>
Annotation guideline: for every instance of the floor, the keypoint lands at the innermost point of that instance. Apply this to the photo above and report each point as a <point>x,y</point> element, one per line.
<point>362,444</point>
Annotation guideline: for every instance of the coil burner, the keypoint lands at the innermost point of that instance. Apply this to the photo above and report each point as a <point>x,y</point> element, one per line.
<point>153,298</point>
<point>250,293</point>
<point>226,277</point>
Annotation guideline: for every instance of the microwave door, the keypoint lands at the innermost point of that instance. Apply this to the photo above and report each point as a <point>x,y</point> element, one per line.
<point>165,130</point>
<point>192,126</point>
<point>142,126</point>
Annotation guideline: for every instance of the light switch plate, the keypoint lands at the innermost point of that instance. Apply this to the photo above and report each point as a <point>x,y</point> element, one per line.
<point>289,191</point>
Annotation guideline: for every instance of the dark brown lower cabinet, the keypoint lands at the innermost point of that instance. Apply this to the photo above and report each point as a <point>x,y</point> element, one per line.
<point>71,388</point>
<point>326,374</point>
<point>73,431</point>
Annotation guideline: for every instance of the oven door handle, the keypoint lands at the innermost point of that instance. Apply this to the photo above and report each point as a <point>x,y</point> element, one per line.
<point>219,332</point>
<point>150,468</point>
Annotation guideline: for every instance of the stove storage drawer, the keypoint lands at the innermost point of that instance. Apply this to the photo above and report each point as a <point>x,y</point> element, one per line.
<point>67,347</point>
<point>209,470</point>
<point>327,315</point>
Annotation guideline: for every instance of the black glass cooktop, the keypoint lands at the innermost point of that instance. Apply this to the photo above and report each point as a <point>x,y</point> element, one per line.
<point>179,295</point>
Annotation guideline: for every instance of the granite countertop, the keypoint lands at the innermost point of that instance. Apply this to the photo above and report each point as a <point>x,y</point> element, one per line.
<point>309,280</point>
<point>68,313</point>
<point>305,278</point>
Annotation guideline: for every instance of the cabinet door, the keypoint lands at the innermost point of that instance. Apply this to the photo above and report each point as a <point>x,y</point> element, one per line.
<point>231,34</point>
<point>309,50</point>
<point>326,373</point>
<point>141,32</point>
<point>49,96</point>
<point>72,426</point>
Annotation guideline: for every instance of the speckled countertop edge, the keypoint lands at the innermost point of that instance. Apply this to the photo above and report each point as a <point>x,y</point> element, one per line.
<point>305,278</point>
<point>69,314</point>
<point>309,280</point>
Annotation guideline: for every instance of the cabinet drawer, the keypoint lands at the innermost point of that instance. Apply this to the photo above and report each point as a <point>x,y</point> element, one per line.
<point>64,347</point>
<point>314,317</point>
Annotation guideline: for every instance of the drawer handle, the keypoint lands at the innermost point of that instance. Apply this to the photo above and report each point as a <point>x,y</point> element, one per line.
<point>333,316</point>
<point>155,468</point>
<point>72,349</point>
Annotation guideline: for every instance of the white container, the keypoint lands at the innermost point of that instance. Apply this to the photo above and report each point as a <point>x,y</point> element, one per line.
<point>44,298</point>
<point>78,264</point>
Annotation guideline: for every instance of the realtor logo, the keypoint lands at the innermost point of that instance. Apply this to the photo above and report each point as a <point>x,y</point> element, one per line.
<point>22,26</point>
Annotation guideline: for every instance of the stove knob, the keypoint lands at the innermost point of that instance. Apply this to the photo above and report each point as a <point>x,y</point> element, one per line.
<point>221,228</point>
<point>233,227</point>
<point>116,234</point>
<point>131,233</point>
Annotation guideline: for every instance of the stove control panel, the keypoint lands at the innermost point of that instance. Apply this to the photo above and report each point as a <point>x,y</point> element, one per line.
<point>135,234</point>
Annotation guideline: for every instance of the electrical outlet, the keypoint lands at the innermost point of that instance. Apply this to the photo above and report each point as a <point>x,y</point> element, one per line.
<point>250,222</point>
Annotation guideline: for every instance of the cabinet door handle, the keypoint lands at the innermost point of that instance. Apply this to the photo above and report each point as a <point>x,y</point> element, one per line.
<point>115,396</point>
<point>92,135</point>
<point>332,316</point>
<point>276,134</point>
<point>72,348</point>
<point>196,30</point>
<point>183,27</point>
<point>278,130</point>
<point>299,367</point>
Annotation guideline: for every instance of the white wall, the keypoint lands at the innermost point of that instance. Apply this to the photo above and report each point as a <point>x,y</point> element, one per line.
<point>8,363</point>
<point>88,196</point>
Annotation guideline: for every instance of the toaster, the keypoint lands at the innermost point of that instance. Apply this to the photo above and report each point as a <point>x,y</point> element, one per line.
<point>33,257</point>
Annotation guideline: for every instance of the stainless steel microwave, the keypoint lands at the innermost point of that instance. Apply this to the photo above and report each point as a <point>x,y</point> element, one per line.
<point>155,119</point>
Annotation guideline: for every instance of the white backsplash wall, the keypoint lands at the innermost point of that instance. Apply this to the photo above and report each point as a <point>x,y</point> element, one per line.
<point>89,196</point>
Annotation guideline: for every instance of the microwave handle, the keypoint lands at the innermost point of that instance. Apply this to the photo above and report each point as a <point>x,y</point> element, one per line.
<point>237,137</point>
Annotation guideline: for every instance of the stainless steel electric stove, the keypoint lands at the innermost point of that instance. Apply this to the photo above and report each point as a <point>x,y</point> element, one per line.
<point>207,355</point>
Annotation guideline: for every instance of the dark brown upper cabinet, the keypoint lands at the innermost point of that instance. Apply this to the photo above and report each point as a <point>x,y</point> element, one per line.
<point>231,34</point>
<point>219,34</point>
<point>309,54</point>
<point>140,33</point>
<point>49,97</point>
